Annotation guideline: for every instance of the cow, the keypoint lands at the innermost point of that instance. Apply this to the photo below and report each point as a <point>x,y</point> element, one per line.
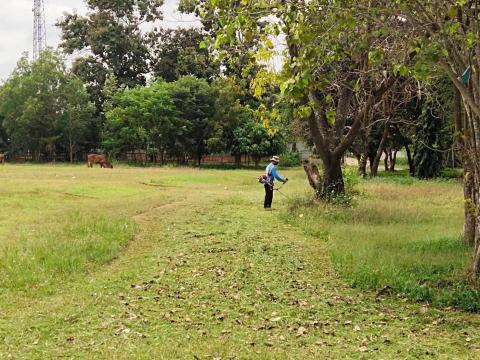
<point>98,159</point>
<point>3,159</point>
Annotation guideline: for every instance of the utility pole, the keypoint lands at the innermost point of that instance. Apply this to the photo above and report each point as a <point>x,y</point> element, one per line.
<point>39,29</point>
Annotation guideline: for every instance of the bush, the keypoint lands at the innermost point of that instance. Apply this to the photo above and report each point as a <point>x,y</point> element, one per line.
<point>351,177</point>
<point>290,159</point>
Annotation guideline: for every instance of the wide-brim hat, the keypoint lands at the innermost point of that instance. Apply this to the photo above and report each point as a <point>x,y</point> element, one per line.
<point>275,158</point>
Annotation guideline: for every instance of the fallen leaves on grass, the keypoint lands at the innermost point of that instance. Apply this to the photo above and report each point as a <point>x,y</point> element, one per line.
<point>302,331</point>
<point>363,349</point>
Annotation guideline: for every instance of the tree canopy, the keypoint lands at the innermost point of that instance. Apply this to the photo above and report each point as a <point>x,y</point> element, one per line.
<point>44,107</point>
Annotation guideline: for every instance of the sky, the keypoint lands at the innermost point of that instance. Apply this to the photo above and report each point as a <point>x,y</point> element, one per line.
<point>16,26</point>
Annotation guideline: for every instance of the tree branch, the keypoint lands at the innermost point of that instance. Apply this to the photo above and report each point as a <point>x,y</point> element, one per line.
<point>470,100</point>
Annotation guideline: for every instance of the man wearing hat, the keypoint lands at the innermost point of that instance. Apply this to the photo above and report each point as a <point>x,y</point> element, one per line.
<point>271,176</point>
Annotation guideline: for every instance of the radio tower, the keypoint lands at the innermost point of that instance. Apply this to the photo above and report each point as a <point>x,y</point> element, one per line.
<point>39,29</point>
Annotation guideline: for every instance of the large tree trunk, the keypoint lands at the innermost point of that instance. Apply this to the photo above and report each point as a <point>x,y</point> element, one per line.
<point>471,146</point>
<point>470,220</point>
<point>313,176</point>
<point>468,140</point>
<point>333,183</point>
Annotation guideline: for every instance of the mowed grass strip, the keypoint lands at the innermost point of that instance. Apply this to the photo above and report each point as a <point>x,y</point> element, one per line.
<point>401,235</point>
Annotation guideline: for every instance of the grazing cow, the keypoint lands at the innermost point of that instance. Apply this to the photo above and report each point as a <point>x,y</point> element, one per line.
<point>98,159</point>
<point>3,159</point>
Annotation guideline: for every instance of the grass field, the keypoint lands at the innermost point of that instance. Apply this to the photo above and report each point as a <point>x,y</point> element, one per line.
<point>184,263</point>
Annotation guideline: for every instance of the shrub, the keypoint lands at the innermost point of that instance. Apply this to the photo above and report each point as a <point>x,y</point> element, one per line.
<point>290,159</point>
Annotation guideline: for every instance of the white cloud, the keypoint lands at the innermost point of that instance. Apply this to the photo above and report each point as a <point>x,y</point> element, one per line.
<point>16,26</point>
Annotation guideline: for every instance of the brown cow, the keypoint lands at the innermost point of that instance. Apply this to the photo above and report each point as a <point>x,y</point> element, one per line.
<point>98,159</point>
<point>3,159</point>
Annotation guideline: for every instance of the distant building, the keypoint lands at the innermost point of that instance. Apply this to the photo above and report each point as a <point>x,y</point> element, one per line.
<point>304,150</point>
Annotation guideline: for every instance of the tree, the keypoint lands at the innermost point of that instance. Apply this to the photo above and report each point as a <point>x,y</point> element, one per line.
<point>144,118</point>
<point>177,53</point>
<point>44,107</point>
<point>230,112</point>
<point>30,106</point>
<point>428,151</point>
<point>382,133</point>
<point>238,65</point>
<point>338,65</point>
<point>112,34</point>
<point>111,38</point>
<point>195,102</point>
<point>448,39</point>
<point>4,142</point>
<point>94,75</point>
<point>255,140</point>
<point>76,114</point>
<point>13,96</point>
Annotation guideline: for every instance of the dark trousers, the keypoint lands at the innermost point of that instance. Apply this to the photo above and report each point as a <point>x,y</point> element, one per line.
<point>268,196</point>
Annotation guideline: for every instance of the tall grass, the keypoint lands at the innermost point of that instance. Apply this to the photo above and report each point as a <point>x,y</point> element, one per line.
<point>402,236</point>
<point>41,257</point>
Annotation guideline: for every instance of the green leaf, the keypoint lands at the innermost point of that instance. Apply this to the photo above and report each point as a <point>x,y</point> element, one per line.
<point>331,116</point>
<point>452,12</point>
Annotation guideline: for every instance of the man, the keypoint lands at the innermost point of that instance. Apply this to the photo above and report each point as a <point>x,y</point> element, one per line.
<point>271,176</point>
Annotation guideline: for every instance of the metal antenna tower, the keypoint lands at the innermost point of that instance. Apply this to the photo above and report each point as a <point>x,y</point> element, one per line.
<point>39,29</point>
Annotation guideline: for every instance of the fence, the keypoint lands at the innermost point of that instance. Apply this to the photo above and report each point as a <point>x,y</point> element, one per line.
<point>140,157</point>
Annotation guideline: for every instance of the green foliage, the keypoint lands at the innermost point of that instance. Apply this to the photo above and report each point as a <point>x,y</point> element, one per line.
<point>291,158</point>
<point>428,156</point>
<point>180,119</point>
<point>76,115</point>
<point>195,102</point>
<point>113,35</point>
<point>352,179</point>
<point>257,141</point>
<point>143,118</point>
<point>178,53</point>
<point>44,107</point>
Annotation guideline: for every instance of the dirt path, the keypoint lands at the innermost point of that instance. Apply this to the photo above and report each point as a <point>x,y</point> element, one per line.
<point>213,276</point>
